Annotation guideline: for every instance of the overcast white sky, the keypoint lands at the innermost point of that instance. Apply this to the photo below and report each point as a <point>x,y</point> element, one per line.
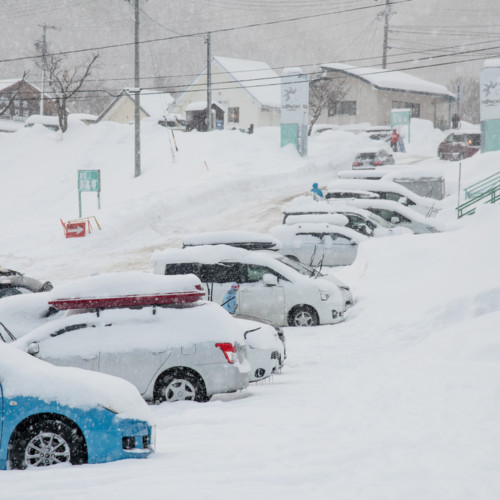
<point>418,29</point>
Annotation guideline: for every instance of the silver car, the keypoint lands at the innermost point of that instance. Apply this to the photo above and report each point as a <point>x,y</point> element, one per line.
<point>168,353</point>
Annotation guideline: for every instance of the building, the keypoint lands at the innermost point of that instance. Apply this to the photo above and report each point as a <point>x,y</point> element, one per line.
<point>373,92</point>
<point>122,108</point>
<point>247,92</point>
<point>19,100</point>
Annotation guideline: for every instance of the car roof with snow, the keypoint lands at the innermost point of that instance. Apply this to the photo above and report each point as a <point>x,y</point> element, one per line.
<point>290,230</point>
<point>242,239</point>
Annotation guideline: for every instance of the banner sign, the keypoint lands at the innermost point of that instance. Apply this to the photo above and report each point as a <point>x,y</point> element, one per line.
<point>490,105</point>
<point>295,109</point>
<point>401,118</point>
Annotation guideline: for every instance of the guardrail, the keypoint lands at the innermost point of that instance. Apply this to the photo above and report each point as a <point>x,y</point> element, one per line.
<point>483,186</point>
<point>469,207</point>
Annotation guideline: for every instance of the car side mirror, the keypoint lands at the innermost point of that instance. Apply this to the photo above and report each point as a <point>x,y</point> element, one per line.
<point>270,279</point>
<point>394,220</point>
<point>33,349</point>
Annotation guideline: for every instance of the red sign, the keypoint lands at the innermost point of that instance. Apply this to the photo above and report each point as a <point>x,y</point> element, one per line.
<point>75,229</point>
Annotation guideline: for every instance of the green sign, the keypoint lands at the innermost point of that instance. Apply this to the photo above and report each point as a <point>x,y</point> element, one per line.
<point>400,118</point>
<point>89,180</point>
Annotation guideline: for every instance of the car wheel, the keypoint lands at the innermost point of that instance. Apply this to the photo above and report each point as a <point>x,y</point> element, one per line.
<point>47,442</point>
<point>441,155</point>
<point>303,316</point>
<point>180,385</point>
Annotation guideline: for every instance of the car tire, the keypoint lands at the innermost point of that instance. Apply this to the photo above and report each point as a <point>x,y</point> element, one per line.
<point>441,155</point>
<point>303,316</point>
<point>180,385</point>
<point>45,443</point>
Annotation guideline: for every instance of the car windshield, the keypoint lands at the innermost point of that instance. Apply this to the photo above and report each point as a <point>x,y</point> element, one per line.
<point>299,267</point>
<point>379,221</point>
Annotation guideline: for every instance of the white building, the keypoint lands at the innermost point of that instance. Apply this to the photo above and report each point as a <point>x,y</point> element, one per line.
<point>243,92</point>
<point>373,92</point>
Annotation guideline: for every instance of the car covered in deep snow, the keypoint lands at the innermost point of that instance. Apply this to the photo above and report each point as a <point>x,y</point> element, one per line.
<point>15,283</point>
<point>269,289</point>
<point>317,243</point>
<point>301,210</point>
<point>152,331</point>
<point>387,190</point>
<point>52,415</point>
<point>399,215</point>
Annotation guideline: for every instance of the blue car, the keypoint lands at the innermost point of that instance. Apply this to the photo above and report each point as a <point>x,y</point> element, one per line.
<point>52,415</point>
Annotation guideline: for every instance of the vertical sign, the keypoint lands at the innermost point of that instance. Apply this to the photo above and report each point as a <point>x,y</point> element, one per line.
<point>490,105</point>
<point>294,109</point>
<point>401,118</point>
<point>89,180</point>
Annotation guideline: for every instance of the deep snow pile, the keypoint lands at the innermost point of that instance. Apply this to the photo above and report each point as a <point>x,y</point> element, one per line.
<point>399,401</point>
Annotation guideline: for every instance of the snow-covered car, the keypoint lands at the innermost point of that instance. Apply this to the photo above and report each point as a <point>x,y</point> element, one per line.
<point>241,239</point>
<point>265,348</point>
<point>372,159</point>
<point>387,190</point>
<point>399,215</point>
<point>353,193</point>
<point>52,415</point>
<point>459,145</point>
<point>20,314</point>
<point>379,133</point>
<point>178,351</point>
<point>358,219</point>
<point>15,283</point>
<point>319,243</point>
<point>269,289</point>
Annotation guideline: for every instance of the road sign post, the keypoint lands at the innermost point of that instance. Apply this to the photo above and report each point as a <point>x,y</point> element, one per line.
<point>89,180</point>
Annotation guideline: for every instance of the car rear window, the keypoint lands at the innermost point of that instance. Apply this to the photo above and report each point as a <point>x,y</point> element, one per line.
<point>366,156</point>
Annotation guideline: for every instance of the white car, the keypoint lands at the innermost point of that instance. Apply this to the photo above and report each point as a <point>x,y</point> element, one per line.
<point>319,243</point>
<point>269,289</point>
<point>241,239</point>
<point>399,215</point>
<point>363,221</point>
<point>187,350</point>
<point>265,349</point>
<point>387,190</point>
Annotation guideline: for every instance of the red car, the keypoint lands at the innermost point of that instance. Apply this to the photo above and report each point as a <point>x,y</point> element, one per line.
<point>458,146</point>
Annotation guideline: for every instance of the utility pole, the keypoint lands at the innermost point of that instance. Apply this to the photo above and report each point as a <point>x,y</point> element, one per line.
<point>137,91</point>
<point>386,15</point>
<point>43,50</point>
<point>137,83</point>
<point>209,84</point>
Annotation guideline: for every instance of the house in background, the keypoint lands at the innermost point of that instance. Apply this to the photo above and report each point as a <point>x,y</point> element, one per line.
<point>248,92</point>
<point>24,99</point>
<point>122,109</point>
<point>373,92</point>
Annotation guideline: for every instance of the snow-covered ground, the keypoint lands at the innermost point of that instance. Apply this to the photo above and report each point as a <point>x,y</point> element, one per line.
<point>399,401</point>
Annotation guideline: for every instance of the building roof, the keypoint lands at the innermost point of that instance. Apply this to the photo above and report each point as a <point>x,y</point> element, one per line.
<point>256,77</point>
<point>383,79</point>
<point>153,104</point>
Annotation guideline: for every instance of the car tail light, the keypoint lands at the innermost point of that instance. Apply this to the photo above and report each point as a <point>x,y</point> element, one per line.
<point>229,351</point>
<point>377,163</point>
<point>355,163</point>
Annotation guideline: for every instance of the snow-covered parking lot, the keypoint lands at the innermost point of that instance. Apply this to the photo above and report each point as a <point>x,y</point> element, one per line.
<point>399,401</point>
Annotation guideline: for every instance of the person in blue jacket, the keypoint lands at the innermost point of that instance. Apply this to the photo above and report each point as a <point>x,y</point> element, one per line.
<point>229,302</point>
<point>316,191</point>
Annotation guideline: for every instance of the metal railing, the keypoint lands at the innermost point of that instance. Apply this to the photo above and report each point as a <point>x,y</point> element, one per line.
<point>492,195</point>
<point>483,186</point>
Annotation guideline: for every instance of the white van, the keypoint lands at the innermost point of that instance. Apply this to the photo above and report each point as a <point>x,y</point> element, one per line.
<point>269,289</point>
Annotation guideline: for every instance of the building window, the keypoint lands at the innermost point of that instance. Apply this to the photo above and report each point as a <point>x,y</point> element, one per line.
<point>342,108</point>
<point>233,115</point>
<point>414,108</point>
